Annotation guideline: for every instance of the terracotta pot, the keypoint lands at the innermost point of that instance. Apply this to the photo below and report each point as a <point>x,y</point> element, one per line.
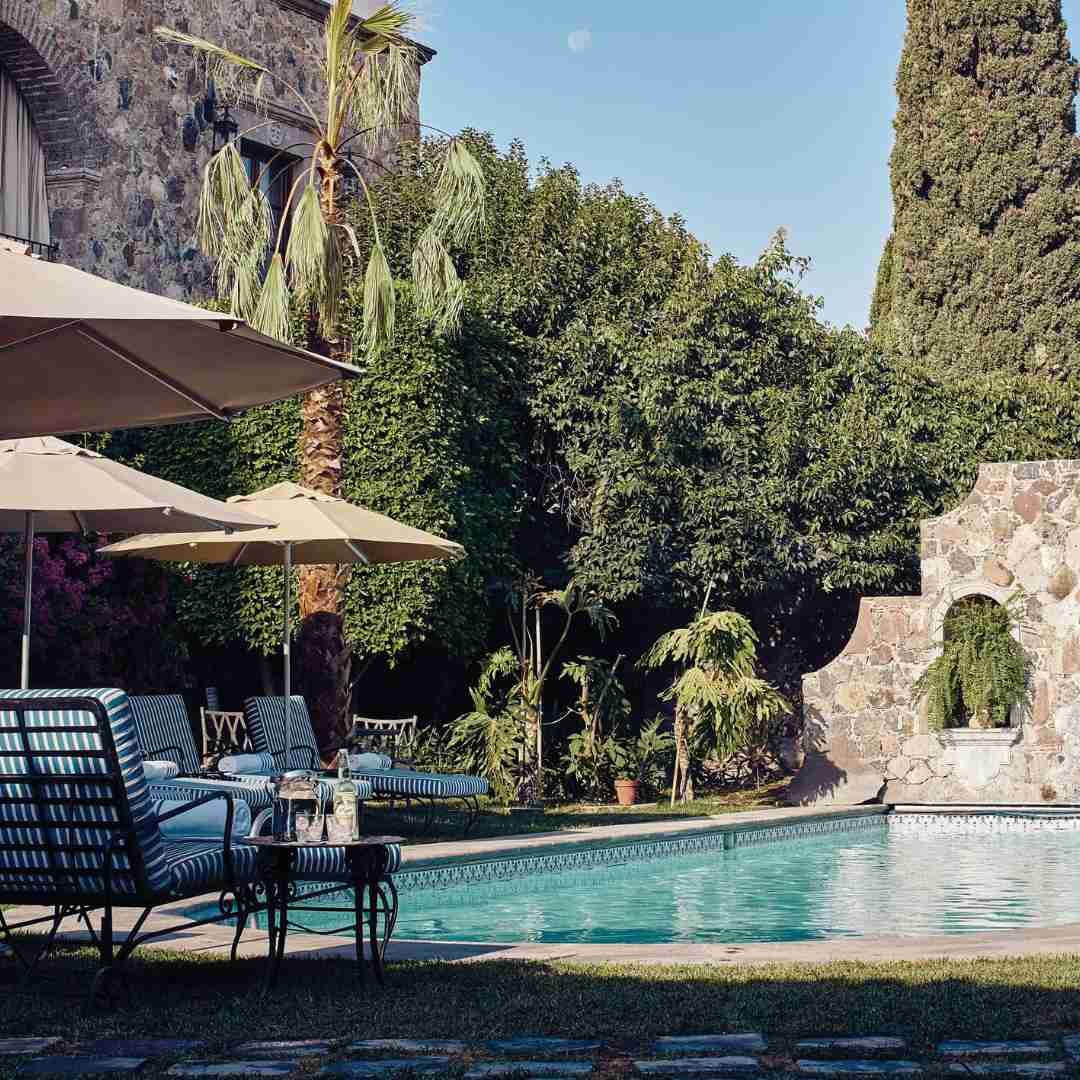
<point>626,792</point>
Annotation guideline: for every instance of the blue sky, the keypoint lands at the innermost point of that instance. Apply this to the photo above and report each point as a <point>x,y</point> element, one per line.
<point>741,116</point>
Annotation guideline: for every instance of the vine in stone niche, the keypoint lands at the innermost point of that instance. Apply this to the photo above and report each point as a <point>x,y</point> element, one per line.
<point>983,672</point>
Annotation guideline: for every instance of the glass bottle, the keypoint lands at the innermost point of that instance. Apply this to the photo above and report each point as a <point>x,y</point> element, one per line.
<point>345,797</point>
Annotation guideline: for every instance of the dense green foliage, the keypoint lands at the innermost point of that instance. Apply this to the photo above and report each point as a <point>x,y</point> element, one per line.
<point>982,671</point>
<point>985,176</point>
<point>623,411</point>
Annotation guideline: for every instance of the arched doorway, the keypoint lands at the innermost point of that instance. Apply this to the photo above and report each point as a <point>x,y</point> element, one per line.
<point>24,205</point>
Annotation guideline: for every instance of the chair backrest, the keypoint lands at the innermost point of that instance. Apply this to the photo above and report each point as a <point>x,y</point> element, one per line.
<point>164,731</point>
<point>266,725</point>
<point>71,781</point>
<point>384,734</point>
<point>223,732</point>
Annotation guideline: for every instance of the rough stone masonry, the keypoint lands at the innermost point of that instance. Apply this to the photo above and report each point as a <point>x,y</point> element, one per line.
<point>865,737</point>
<point>126,121</point>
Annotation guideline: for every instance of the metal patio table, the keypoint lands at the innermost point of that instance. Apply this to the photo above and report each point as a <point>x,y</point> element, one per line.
<point>366,861</point>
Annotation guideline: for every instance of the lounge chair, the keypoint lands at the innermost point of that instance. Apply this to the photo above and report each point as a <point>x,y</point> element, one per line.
<point>266,725</point>
<point>79,831</point>
<point>164,734</point>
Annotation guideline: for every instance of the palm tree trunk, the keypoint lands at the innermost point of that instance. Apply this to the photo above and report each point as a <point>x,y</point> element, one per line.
<point>325,657</point>
<point>682,784</point>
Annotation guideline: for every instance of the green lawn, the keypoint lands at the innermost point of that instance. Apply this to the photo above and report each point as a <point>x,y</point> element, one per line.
<point>181,996</point>
<point>495,821</point>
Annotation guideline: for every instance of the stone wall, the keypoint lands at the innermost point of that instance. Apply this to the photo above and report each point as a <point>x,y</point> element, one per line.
<point>1018,529</point>
<point>125,119</point>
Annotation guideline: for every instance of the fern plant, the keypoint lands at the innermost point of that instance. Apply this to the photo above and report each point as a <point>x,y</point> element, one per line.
<point>491,739</point>
<point>982,671</point>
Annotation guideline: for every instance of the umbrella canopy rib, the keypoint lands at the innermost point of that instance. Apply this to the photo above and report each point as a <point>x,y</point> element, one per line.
<point>147,368</point>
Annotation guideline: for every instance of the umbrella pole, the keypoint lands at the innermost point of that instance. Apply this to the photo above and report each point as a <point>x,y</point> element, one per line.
<point>285,650</point>
<point>24,673</point>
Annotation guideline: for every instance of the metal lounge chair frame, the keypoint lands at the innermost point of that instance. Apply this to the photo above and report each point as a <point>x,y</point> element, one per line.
<point>49,818</point>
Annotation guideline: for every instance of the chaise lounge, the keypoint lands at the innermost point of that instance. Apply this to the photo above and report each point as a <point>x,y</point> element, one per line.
<point>266,726</point>
<point>79,829</point>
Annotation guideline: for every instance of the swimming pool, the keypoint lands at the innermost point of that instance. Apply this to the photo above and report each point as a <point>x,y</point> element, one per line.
<point>902,874</point>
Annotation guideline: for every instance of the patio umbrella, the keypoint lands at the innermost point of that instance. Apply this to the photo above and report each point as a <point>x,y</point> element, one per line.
<point>310,529</point>
<point>50,486</point>
<point>79,353</point>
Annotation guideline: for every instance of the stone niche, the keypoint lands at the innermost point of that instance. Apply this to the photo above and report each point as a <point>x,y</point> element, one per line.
<point>866,738</point>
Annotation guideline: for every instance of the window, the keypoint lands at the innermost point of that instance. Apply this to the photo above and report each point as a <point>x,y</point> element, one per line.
<point>273,171</point>
<point>24,209</point>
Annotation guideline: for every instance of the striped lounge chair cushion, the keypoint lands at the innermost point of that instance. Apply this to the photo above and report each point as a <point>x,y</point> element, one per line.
<point>265,718</point>
<point>253,790</point>
<point>329,863</point>
<point>67,743</point>
<point>164,731</point>
<point>421,784</point>
<point>199,865</point>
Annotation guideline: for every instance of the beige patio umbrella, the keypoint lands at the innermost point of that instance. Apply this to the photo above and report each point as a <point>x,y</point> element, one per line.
<point>310,529</point>
<point>79,353</point>
<point>50,486</point>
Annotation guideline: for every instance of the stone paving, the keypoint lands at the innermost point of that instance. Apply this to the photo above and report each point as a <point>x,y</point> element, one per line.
<point>724,1056</point>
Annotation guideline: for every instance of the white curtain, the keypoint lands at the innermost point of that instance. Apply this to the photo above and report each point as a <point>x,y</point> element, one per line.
<point>24,207</point>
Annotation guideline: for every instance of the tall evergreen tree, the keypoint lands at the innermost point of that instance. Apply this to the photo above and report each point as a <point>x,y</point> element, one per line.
<point>982,271</point>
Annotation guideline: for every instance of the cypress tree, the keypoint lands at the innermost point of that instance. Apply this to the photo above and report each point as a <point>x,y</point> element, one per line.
<point>982,271</point>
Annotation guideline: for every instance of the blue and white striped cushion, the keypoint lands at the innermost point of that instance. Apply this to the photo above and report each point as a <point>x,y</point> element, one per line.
<point>161,720</point>
<point>329,863</point>
<point>255,790</point>
<point>429,785</point>
<point>20,824</point>
<point>198,866</point>
<point>266,725</point>
<point>265,718</point>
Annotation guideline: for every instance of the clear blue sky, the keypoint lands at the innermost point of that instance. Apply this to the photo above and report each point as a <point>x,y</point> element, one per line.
<point>743,117</point>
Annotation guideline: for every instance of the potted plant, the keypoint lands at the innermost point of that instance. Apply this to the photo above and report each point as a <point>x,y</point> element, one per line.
<point>639,762</point>
<point>982,672</point>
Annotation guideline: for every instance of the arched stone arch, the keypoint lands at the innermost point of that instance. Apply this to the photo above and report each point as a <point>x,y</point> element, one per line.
<point>53,86</point>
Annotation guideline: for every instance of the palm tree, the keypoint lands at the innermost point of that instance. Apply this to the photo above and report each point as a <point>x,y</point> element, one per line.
<point>719,699</point>
<point>370,76</point>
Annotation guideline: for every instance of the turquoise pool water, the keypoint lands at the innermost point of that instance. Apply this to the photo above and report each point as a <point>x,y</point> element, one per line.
<point>871,881</point>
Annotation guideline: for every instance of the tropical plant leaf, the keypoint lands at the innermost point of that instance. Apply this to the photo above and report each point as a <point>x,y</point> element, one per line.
<point>378,302</point>
<point>459,195</point>
<point>309,237</point>
<point>272,311</point>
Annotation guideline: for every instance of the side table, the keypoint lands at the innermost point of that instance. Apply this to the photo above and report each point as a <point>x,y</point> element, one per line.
<point>365,862</point>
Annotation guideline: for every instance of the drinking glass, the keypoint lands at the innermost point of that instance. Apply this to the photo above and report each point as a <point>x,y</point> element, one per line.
<point>338,830</point>
<point>313,833</point>
<point>300,824</point>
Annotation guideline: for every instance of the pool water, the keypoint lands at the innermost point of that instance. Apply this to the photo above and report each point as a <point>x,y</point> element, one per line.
<point>864,882</point>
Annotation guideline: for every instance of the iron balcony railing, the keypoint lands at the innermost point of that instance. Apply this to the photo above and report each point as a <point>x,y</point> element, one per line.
<point>37,247</point>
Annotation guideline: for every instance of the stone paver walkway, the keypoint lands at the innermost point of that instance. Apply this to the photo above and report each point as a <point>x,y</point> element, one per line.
<point>721,1056</point>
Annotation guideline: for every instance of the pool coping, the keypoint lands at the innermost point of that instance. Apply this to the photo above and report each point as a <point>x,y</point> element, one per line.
<point>457,852</point>
<point>217,938</point>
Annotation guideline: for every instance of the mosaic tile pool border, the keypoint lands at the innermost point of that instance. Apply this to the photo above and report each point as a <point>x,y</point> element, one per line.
<point>981,822</point>
<point>459,872</point>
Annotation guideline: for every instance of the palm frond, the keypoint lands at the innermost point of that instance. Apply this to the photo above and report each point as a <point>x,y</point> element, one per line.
<point>309,237</point>
<point>231,72</point>
<point>392,20</point>
<point>386,92</point>
<point>329,302</point>
<point>439,293</point>
<point>460,207</point>
<point>379,302</point>
<point>225,188</point>
<point>272,311</point>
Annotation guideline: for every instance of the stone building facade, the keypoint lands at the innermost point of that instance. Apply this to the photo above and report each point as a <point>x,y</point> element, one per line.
<point>865,735</point>
<point>127,122</point>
